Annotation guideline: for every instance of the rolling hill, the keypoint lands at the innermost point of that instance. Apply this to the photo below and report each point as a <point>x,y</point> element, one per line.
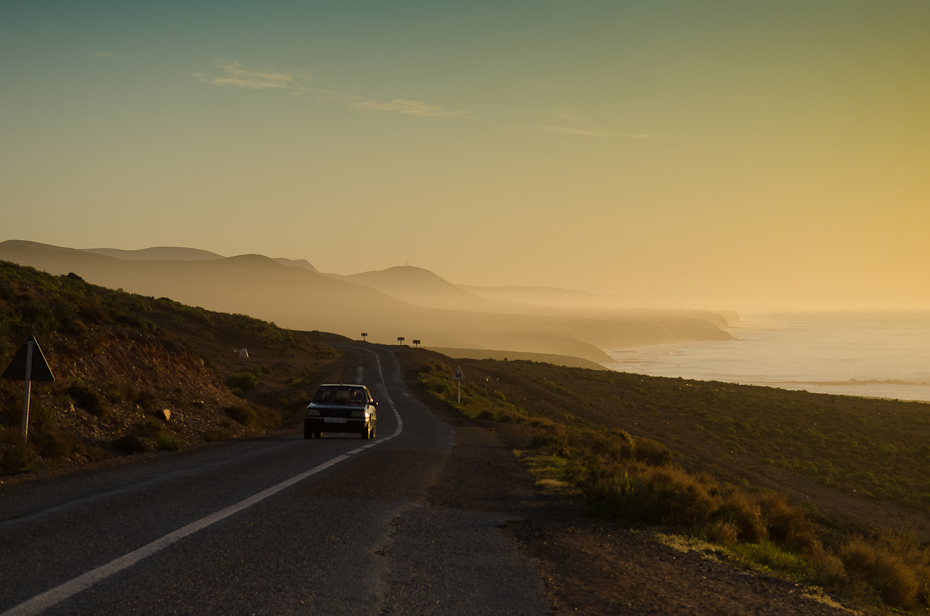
<point>158,253</point>
<point>421,287</point>
<point>382,306</point>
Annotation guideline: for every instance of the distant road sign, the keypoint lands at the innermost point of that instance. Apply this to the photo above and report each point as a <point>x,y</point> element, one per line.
<point>459,375</point>
<point>41,372</point>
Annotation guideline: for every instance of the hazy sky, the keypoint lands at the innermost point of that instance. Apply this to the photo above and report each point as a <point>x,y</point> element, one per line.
<point>711,154</point>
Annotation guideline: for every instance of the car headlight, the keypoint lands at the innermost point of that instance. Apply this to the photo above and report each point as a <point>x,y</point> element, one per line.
<point>358,413</point>
<point>313,413</point>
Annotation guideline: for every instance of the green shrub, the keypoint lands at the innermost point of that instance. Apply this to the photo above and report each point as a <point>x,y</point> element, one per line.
<point>674,498</point>
<point>886,573</point>
<point>94,453</point>
<point>652,452</point>
<point>17,457</point>
<point>324,351</point>
<point>54,443</point>
<point>722,531</point>
<point>556,388</point>
<point>73,327</point>
<point>768,556</point>
<point>788,526</point>
<point>149,428</point>
<point>87,399</point>
<point>41,414</point>
<point>267,418</point>
<point>744,514</point>
<point>612,446</point>
<point>826,569</point>
<point>308,377</point>
<point>242,414</point>
<point>212,435</point>
<point>132,444</point>
<point>167,442</point>
<point>244,381</point>
<point>666,496</point>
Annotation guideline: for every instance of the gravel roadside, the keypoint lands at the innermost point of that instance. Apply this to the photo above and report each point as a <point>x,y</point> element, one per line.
<point>598,568</point>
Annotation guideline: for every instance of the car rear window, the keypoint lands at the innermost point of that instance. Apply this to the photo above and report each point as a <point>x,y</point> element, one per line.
<point>340,395</point>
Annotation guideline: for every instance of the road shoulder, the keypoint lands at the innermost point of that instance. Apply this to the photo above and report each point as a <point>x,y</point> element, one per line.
<point>595,567</point>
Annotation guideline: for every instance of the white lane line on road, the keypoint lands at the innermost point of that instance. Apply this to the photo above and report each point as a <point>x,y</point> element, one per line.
<point>400,422</point>
<point>76,585</point>
<point>355,451</point>
<point>70,588</point>
<point>142,485</point>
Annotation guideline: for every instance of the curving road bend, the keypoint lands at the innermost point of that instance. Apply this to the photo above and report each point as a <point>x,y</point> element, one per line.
<point>275,525</point>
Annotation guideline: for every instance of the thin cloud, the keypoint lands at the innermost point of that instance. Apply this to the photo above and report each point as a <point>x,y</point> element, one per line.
<point>296,83</point>
<point>411,107</point>
<point>236,75</point>
<point>589,132</point>
<point>323,95</point>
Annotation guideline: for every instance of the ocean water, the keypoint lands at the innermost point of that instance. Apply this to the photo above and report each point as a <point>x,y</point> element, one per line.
<point>883,356</point>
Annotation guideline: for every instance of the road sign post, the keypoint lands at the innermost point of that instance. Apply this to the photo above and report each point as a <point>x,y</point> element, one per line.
<point>458,377</point>
<point>27,395</point>
<point>28,365</point>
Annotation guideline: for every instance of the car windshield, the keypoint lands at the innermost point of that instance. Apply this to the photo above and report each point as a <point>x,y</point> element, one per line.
<point>340,395</point>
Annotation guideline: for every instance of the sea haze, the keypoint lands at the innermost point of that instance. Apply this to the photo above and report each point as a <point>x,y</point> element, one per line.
<point>885,356</point>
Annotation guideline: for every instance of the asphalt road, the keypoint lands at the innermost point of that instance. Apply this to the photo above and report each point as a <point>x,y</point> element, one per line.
<point>277,525</point>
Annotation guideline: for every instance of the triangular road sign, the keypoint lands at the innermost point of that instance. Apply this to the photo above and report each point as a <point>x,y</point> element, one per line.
<point>16,371</point>
<point>459,375</point>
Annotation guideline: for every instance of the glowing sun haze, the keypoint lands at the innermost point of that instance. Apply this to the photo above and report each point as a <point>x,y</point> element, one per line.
<point>716,154</point>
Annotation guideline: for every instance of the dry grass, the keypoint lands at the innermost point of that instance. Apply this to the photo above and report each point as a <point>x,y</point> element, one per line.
<point>635,478</point>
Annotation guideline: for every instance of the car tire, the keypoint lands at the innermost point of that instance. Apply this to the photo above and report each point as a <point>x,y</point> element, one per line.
<point>318,434</point>
<point>307,432</point>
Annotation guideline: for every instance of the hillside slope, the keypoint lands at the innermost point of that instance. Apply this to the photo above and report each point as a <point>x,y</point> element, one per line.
<point>827,490</point>
<point>120,360</point>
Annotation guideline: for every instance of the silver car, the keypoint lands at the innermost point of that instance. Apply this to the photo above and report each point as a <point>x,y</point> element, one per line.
<point>341,408</point>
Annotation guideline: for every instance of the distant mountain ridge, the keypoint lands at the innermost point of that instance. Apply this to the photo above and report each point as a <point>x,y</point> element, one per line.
<point>179,253</point>
<point>296,263</point>
<point>420,287</point>
<point>158,253</point>
<point>403,301</point>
